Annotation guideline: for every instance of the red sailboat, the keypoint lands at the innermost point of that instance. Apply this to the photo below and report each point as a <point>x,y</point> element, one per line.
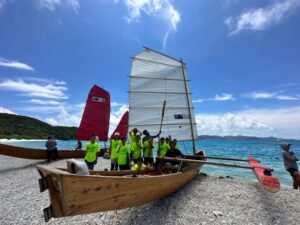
<point>95,118</point>
<point>122,127</point>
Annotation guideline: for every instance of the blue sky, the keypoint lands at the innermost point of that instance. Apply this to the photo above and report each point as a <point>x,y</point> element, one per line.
<point>243,58</point>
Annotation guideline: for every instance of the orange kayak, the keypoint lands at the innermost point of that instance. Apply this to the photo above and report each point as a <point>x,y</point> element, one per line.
<point>265,176</point>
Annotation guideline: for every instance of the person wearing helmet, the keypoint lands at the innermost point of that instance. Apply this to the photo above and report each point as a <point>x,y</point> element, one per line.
<point>114,144</point>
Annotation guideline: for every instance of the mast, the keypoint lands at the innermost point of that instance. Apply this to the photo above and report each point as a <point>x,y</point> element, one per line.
<point>189,107</point>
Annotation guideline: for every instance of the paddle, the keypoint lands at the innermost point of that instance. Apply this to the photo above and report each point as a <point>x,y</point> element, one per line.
<point>162,115</point>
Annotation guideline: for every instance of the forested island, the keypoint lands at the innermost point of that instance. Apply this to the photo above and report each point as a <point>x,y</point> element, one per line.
<point>23,127</point>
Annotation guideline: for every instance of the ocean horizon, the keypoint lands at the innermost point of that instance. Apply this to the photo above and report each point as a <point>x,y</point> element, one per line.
<point>268,152</point>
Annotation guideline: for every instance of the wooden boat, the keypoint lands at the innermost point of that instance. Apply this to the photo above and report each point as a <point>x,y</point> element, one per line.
<point>159,88</point>
<point>264,176</point>
<point>71,194</point>
<point>31,153</point>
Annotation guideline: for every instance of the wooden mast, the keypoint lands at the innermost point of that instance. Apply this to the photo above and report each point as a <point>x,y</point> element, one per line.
<point>189,106</point>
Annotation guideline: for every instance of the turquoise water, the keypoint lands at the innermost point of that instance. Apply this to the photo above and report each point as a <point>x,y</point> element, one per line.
<point>268,152</point>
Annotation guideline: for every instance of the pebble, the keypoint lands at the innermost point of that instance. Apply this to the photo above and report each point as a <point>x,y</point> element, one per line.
<point>206,200</point>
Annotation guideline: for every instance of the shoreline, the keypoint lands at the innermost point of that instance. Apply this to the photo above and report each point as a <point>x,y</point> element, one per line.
<point>205,200</point>
<point>20,140</point>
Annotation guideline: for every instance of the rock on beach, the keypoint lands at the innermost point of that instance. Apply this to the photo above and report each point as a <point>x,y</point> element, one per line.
<point>206,200</point>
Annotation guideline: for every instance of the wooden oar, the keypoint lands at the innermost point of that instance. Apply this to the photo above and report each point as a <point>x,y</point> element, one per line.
<point>220,158</point>
<point>162,115</point>
<point>208,163</point>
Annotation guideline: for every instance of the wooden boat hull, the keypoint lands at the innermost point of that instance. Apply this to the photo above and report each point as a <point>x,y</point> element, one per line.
<point>269,182</point>
<point>73,195</point>
<point>30,153</point>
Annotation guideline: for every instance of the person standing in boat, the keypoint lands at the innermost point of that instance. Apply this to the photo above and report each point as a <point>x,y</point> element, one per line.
<point>78,146</point>
<point>114,144</point>
<point>91,148</point>
<point>123,152</point>
<point>136,149</point>
<point>148,151</point>
<point>163,147</point>
<point>290,164</point>
<point>132,134</point>
<point>51,146</point>
<point>147,136</point>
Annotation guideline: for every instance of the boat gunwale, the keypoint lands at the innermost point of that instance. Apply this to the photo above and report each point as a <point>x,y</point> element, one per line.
<point>125,176</point>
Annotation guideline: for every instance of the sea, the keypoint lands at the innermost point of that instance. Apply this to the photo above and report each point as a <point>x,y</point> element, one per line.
<point>268,152</point>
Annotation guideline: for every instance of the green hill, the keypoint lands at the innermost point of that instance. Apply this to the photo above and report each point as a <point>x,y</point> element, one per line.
<point>23,127</point>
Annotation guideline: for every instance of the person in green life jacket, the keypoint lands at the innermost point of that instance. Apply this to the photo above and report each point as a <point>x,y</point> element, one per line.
<point>114,144</point>
<point>139,165</point>
<point>163,147</point>
<point>91,148</point>
<point>136,149</point>
<point>132,134</point>
<point>148,151</point>
<point>123,152</point>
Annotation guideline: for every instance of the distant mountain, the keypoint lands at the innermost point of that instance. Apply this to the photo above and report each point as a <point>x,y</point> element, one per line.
<point>240,138</point>
<point>23,127</point>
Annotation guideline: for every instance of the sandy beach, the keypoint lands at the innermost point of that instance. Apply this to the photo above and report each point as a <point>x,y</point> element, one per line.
<point>206,200</point>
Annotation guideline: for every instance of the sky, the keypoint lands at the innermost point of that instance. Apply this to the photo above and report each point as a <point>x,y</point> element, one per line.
<point>242,56</point>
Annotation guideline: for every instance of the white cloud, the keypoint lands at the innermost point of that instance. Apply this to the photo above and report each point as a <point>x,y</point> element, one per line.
<point>52,4</point>
<point>261,18</point>
<point>70,115</point>
<point>13,63</point>
<point>281,122</point>
<point>44,102</point>
<point>115,116</point>
<point>5,110</point>
<point>34,89</point>
<point>221,97</point>
<point>271,95</point>
<point>162,8</point>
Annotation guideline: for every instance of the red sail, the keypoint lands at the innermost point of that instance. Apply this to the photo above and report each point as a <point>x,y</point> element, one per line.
<point>122,127</point>
<point>95,118</point>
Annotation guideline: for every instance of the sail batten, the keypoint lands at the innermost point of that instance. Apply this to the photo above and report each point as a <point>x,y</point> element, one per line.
<point>156,78</point>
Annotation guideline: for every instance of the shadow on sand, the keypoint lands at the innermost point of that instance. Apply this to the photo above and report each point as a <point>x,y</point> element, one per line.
<point>7,170</point>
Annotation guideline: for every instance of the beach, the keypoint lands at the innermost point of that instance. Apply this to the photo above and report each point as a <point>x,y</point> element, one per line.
<point>206,200</point>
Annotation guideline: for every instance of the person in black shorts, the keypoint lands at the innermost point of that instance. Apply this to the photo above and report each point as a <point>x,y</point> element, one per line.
<point>290,164</point>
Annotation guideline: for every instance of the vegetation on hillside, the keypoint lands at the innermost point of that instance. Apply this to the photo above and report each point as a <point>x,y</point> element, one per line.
<point>23,127</point>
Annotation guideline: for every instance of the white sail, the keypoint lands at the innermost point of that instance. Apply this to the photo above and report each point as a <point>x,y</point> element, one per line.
<point>154,78</point>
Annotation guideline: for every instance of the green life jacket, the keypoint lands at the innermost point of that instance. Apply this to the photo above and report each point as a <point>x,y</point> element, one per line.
<point>136,149</point>
<point>114,145</point>
<point>123,154</point>
<point>163,149</point>
<point>136,167</point>
<point>91,151</point>
<point>146,147</point>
